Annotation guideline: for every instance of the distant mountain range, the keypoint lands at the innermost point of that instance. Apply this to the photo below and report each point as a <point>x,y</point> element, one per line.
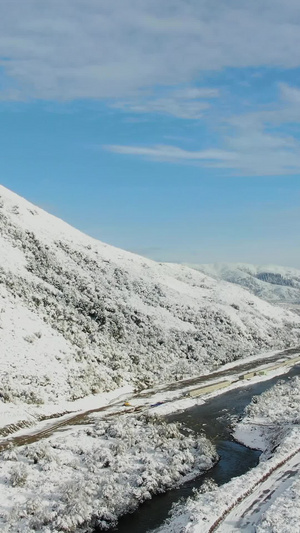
<point>78,316</point>
<point>275,284</point>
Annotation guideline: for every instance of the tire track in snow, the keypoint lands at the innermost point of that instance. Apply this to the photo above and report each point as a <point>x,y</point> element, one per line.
<point>246,511</point>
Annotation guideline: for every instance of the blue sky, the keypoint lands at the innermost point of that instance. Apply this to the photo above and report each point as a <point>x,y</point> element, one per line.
<point>170,129</point>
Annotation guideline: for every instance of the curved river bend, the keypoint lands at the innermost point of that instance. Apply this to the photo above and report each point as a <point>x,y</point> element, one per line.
<point>214,418</point>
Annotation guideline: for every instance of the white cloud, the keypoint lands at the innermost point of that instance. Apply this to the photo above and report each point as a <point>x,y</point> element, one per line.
<point>165,152</point>
<point>184,103</point>
<point>192,93</point>
<point>70,49</point>
<point>262,154</point>
<point>283,111</point>
<point>126,50</point>
<point>247,153</point>
<point>290,94</point>
<point>167,106</point>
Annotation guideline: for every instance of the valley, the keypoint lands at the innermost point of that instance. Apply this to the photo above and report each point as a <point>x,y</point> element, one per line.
<point>95,339</point>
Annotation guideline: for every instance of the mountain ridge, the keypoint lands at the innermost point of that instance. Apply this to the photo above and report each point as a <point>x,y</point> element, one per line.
<point>273,283</point>
<point>80,316</point>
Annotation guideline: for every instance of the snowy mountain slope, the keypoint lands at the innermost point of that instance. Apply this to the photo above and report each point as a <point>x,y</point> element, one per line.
<point>79,316</point>
<point>276,284</point>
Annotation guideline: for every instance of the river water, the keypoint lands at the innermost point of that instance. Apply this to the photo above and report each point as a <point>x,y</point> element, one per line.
<point>215,418</point>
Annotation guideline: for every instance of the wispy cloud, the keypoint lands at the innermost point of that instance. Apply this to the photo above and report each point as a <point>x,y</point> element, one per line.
<point>250,144</point>
<point>285,109</point>
<point>170,153</point>
<point>188,103</point>
<point>290,94</point>
<point>145,57</point>
<point>248,152</point>
<point>91,49</point>
<point>258,138</point>
<point>262,154</point>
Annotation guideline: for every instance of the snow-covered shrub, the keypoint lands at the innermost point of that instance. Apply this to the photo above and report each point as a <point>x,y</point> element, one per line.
<point>278,405</point>
<point>91,476</point>
<point>18,475</point>
<point>29,338</point>
<point>272,415</point>
<point>208,485</point>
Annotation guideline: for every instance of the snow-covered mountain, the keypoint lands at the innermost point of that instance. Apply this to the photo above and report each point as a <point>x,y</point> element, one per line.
<point>78,316</point>
<point>276,284</point>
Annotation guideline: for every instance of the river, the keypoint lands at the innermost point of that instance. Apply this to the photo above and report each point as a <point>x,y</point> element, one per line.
<point>215,418</point>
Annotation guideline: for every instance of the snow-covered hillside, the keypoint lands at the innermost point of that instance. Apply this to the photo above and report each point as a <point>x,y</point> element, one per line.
<point>78,316</point>
<point>276,284</point>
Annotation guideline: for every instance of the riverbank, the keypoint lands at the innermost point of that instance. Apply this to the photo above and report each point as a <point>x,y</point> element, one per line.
<point>90,420</point>
<point>261,499</point>
<point>90,475</point>
<point>215,417</point>
<point>22,420</point>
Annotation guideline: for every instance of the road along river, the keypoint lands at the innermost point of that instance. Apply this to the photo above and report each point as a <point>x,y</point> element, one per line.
<point>169,393</point>
<point>215,418</point>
